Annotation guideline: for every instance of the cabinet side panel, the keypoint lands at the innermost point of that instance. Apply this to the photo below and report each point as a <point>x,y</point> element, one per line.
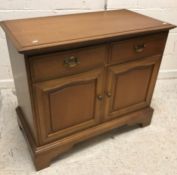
<point>21,85</point>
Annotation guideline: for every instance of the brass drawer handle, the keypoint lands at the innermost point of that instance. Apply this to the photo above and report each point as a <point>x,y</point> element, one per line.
<point>139,48</point>
<point>100,97</point>
<point>71,61</point>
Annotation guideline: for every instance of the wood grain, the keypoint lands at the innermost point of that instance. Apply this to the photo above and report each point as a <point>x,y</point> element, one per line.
<point>69,104</point>
<point>50,66</point>
<point>130,86</point>
<point>22,86</point>
<point>26,34</point>
<point>126,50</point>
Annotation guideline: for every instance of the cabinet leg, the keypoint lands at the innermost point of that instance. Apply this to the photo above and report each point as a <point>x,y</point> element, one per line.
<point>147,120</point>
<point>142,120</point>
<point>145,123</point>
<point>42,160</point>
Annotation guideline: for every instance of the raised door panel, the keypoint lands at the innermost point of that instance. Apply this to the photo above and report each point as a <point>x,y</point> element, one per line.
<point>130,86</point>
<point>68,105</point>
<point>69,102</point>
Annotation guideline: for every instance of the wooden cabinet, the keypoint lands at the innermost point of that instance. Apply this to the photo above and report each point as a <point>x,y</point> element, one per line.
<point>78,76</point>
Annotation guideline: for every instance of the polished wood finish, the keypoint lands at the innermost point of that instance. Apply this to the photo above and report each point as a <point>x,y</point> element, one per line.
<point>74,81</point>
<point>138,47</point>
<point>69,104</point>
<point>130,85</point>
<point>50,66</point>
<point>22,87</point>
<point>44,32</point>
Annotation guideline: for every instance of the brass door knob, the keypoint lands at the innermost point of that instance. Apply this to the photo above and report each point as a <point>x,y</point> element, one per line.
<point>100,97</point>
<point>109,94</point>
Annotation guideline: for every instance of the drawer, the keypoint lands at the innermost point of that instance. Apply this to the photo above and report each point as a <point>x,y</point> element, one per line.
<point>135,48</point>
<point>53,65</point>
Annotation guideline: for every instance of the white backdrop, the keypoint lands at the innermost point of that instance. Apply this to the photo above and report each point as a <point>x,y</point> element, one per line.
<point>161,9</point>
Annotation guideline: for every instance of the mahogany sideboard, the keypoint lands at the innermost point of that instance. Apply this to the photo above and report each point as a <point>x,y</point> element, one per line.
<point>78,76</point>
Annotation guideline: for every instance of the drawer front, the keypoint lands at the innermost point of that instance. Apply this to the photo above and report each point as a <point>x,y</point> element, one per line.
<point>135,48</point>
<point>54,65</point>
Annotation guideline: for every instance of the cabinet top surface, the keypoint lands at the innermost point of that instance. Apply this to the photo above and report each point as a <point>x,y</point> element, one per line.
<point>52,31</point>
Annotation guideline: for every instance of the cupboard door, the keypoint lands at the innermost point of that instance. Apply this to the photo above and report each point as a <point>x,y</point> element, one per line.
<point>69,104</point>
<point>130,86</point>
